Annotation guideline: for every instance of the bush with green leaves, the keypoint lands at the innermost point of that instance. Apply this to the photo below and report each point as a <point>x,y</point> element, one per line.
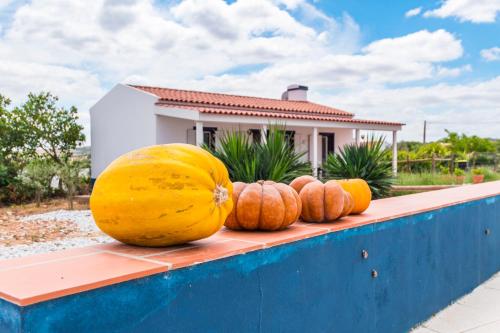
<point>367,161</point>
<point>70,173</point>
<point>272,159</point>
<point>444,170</point>
<point>37,176</point>
<point>478,172</point>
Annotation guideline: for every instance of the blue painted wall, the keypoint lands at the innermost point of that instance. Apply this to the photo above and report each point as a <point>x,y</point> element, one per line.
<point>321,284</point>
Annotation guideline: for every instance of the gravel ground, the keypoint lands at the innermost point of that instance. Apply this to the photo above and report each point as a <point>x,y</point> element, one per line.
<point>67,229</point>
<point>83,218</point>
<point>7,252</point>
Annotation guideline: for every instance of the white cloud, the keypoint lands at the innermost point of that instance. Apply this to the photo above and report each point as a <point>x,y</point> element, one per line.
<point>491,54</point>
<point>452,72</point>
<point>5,3</point>
<point>73,86</point>
<point>195,44</point>
<point>413,12</point>
<point>422,46</point>
<point>168,44</point>
<point>476,11</point>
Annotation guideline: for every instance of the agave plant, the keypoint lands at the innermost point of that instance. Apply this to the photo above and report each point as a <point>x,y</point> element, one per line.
<point>368,161</point>
<point>272,159</point>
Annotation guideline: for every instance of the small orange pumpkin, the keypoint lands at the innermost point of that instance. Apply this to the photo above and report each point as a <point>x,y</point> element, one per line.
<point>360,191</point>
<point>348,204</point>
<point>264,205</point>
<point>299,182</point>
<point>322,202</point>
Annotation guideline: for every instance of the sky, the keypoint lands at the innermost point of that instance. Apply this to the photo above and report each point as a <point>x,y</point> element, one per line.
<point>406,61</point>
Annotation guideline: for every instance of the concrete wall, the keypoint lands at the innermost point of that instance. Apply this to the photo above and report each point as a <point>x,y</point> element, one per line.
<point>320,284</point>
<point>121,121</point>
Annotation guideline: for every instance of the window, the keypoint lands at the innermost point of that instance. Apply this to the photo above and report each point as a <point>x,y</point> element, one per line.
<point>255,134</point>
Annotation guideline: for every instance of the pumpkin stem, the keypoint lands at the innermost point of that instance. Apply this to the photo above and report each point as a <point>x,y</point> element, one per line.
<point>220,195</point>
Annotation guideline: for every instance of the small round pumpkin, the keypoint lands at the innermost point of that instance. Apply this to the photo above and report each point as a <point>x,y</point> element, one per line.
<point>162,195</point>
<point>264,205</point>
<point>322,202</point>
<point>348,204</point>
<point>360,191</point>
<point>299,182</point>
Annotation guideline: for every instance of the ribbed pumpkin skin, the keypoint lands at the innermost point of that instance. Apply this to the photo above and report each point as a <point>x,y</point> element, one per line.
<point>360,192</point>
<point>348,204</point>
<point>162,195</point>
<point>264,205</point>
<point>321,202</point>
<point>298,183</point>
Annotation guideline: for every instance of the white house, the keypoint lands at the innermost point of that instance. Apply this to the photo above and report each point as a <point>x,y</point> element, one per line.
<point>129,117</point>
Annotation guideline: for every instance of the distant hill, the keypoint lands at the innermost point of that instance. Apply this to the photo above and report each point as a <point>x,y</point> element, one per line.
<point>84,150</point>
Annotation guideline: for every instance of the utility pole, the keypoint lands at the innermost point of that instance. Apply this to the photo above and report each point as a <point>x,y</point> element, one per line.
<point>425,130</point>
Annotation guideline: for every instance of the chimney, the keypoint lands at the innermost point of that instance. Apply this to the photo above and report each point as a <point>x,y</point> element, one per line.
<point>295,92</point>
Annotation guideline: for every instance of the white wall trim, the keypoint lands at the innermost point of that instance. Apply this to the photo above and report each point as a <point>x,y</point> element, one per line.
<point>206,117</point>
<point>178,113</point>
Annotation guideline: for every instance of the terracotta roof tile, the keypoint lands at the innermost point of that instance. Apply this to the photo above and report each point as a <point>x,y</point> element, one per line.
<point>281,115</point>
<point>166,95</point>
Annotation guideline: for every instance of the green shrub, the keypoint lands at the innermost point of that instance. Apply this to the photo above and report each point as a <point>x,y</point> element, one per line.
<point>477,172</point>
<point>459,172</point>
<point>444,170</point>
<point>273,159</point>
<point>367,161</point>
<point>37,176</point>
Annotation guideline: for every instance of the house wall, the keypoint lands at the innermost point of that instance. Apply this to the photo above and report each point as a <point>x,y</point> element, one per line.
<point>121,121</point>
<point>170,130</point>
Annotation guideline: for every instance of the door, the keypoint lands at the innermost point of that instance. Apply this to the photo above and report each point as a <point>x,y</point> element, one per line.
<point>327,145</point>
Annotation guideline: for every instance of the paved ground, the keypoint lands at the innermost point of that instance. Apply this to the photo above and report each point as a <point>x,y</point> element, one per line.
<point>478,312</point>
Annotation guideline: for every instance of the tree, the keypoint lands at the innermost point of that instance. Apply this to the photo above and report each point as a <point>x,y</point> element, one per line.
<point>46,128</point>
<point>468,146</point>
<point>433,149</point>
<point>37,175</point>
<point>8,136</point>
<point>69,171</point>
<point>9,148</point>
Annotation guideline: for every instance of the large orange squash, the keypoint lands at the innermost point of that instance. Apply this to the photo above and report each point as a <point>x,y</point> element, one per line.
<point>264,205</point>
<point>162,195</point>
<point>299,182</point>
<point>360,192</point>
<point>322,202</point>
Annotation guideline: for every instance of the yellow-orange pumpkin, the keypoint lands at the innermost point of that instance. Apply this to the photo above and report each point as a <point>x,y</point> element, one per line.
<point>162,195</point>
<point>322,202</point>
<point>348,204</point>
<point>299,182</point>
<point>264,205</point>
<point>360,192</point>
